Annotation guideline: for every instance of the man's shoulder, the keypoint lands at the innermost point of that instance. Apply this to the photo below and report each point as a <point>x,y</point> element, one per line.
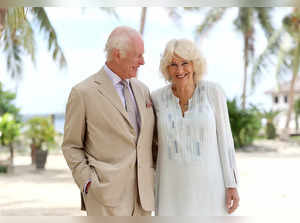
<point>142,85</point>
<point>88,82</point>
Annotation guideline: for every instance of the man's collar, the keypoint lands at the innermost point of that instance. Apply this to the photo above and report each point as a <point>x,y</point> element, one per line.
<point>114,77</point>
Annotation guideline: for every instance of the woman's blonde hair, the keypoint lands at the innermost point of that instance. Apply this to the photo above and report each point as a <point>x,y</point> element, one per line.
<point>187,50</point>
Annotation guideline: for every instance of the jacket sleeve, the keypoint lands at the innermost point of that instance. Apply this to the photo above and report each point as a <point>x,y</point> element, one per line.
<point>74,136</point>
<point>225,142</point>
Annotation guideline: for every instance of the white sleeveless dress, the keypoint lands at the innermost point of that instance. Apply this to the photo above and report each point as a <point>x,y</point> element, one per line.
<point>196,158</point>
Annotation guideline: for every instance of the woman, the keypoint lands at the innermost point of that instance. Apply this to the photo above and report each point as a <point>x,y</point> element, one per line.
<point>196,169</point>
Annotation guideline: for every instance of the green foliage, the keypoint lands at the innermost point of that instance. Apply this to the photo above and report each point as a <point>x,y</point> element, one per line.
<point>3,169</point>
<point>270,131</point>
<point>9,129</point>
<point>270,128</point>
<point>245,123</point>
<point>17,37</point>
<point>297,106</point>
<point>6,105</point>
<point>41,132</point>
<point>297,112</point>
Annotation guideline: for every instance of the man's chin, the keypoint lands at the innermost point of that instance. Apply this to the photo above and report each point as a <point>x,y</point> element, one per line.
<point>133,75</point>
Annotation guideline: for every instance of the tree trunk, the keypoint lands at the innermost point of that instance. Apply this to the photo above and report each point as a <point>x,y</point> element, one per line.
<point>297,123</point>
<point>143,20</point>
<point>11,149</point>
<point>246,42</point>
<point>2,18</point>
<point>52,117</point>
<point>33,153</point>
<point>291,91</point>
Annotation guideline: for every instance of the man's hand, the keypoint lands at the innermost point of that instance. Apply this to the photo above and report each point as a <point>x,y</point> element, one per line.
<point>232,199</point>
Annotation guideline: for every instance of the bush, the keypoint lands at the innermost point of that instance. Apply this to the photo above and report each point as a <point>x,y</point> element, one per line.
<point>7,105</point>
<point>9,131</point>
<point>41,132</point>
<point>245,124</point>
<point>270,127</point>
<point>270,131</point>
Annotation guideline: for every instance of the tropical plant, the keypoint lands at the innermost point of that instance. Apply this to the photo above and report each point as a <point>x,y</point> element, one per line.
<point>270,130</point>
<point>245,123</point>
<point>297,113</point>
<point>285,44</point>
<point>17,37</point>
<point>245,24</point>
<point>6,103</point>
<point>41,133</point>
<point>9,131</point>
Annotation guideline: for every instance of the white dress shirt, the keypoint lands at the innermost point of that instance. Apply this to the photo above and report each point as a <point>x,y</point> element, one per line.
<point>119,88</point>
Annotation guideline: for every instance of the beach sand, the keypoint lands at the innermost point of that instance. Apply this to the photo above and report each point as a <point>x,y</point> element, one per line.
<point>268,173</point>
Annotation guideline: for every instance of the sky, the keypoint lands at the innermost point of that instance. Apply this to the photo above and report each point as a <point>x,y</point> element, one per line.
<point>82,34</point>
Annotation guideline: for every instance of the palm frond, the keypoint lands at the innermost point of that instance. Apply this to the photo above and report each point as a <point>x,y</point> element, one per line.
<point>211,18</point>
<point>110,11</point>
<point>265,57</point>
<point>264,18</point>
<point>13,52</point>
<point>296,58</point>
<point>281,63</point>
<point>27,39</point>
<point>41,18</point>
<point>174,13</point>
<point>245,22</point>
<point>15,18</point>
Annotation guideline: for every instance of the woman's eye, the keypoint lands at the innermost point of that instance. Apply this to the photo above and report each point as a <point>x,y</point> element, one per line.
<point>184,63</point>
<point>173,64</point>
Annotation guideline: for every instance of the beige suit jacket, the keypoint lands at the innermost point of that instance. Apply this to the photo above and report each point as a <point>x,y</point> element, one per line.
<point>99,142</point>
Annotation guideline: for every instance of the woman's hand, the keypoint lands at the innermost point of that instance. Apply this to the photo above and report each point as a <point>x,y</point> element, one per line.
<point>232,199</point>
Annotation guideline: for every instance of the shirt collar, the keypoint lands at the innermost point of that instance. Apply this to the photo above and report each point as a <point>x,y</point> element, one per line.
<point>114,77</point>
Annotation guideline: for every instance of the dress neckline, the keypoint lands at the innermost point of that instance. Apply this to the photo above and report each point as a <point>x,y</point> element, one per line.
<point>176,99</point>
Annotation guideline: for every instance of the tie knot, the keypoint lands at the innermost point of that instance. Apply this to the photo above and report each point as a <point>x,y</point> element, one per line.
<point>124,83</point>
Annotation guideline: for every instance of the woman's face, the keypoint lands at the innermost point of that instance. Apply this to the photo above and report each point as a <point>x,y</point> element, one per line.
<point>181,71</point>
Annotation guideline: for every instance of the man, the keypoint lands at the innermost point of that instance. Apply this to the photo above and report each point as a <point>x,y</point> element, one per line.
<point>108,133</point>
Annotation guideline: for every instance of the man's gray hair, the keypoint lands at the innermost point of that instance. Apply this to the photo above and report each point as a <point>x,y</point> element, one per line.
<point>120,38</point>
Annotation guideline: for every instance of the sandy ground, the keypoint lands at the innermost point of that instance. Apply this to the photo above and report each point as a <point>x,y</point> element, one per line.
<point>269,184</point>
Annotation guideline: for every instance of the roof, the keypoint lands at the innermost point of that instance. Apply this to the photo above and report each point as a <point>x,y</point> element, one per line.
<point>284,88</point>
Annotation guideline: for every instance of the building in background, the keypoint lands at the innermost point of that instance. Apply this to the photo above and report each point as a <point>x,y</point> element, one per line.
<point>280,103</point>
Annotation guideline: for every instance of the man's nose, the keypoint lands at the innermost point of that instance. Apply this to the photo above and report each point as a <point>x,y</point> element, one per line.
<point>142,61</point>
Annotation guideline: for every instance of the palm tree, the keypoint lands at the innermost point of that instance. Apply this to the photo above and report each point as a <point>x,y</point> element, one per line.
<point>297,113</point>
<point>245,24</point>
<point>288,56</point>
<point>143,20</point>
<point>270,128</point>
<point>17,37</point>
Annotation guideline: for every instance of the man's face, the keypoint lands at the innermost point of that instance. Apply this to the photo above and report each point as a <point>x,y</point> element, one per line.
<point>133,58</point>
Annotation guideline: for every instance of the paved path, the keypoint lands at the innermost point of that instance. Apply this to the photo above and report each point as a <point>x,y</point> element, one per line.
<point>268,185</point>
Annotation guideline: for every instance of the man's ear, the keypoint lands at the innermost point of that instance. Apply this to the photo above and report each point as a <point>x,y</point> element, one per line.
<point>116,54</point>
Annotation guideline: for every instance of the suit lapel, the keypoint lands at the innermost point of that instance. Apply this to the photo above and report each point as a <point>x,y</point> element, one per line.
<point>106,88</point>
<point>139,100</point>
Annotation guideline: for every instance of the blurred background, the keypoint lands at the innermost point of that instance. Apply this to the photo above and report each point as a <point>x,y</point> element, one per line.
<point>252,52</point>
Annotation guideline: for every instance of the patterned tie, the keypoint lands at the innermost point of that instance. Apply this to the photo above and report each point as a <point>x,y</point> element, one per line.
<point>129,105</point>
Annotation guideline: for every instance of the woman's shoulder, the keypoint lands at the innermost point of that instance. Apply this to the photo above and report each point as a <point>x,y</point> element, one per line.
<point>158,93</point>
<point>211,87</point>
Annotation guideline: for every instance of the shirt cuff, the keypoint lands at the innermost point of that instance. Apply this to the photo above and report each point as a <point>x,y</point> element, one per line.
<point>86,186</point>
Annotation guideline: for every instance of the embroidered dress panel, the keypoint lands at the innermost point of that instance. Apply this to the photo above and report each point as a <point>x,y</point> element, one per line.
<point>190,176</point>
